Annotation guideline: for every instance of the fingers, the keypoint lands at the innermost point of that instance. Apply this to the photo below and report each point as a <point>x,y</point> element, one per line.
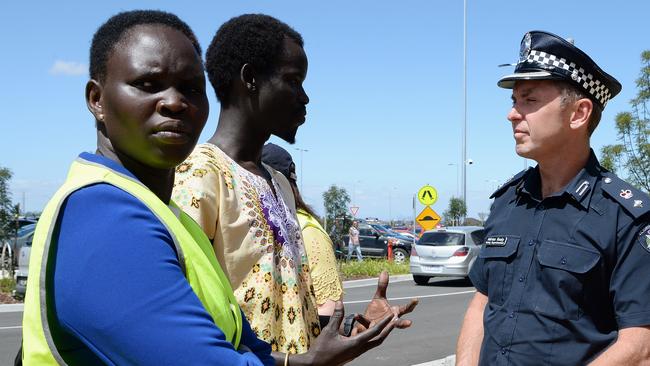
<point>382,285</point>
<point>403,323</point>
<point>375,330</point>
<point>337,317</point>
<point>362,320</point>
<point>385,327</point>
<point>405,309</point>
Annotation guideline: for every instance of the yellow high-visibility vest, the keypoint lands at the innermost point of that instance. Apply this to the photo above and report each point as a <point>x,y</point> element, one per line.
<point>195,254</point>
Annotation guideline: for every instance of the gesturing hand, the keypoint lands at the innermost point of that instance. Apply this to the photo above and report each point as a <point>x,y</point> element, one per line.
<point>379,307</point>
<point>331,348</point>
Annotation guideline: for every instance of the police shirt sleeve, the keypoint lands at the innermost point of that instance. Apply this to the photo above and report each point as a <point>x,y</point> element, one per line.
<point>477,276</point>
<point>630,282</point>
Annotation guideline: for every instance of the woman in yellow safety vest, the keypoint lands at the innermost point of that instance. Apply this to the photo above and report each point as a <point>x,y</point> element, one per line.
<point>118,273</point>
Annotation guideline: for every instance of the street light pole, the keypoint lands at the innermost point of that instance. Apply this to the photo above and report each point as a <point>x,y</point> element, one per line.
<point>464,145</point>
<point>301,151</point>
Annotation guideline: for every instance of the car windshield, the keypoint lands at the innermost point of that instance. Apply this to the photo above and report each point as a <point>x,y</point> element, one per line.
<point>440,239</point>
<point>25,230</point>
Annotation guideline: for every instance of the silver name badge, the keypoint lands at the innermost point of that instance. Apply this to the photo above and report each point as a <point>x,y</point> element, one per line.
<point>496,241</point>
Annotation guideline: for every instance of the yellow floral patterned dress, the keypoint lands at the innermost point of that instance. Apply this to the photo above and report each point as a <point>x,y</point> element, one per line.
<point>257,239</point>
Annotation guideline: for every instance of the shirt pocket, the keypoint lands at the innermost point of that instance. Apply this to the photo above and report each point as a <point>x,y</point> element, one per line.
<point>498,266</point>
<point>563,270</point>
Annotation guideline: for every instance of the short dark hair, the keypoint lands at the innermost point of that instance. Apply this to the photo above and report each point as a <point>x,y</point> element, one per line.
<point>570,93</point>
<point>256,39</point>
<point>111,32</point>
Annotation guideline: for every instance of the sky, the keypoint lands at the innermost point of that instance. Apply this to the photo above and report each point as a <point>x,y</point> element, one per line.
<point>385,83</point>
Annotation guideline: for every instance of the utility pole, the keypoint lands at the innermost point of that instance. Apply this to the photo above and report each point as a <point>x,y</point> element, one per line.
<point>464,144</point>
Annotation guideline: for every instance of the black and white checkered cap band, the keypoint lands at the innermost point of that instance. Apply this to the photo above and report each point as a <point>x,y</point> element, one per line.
<point>593,86</point>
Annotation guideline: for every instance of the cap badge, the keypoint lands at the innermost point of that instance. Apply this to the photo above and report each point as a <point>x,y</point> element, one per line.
<point>524,51</point>
<point>638,203</point>
<point>626,193</point>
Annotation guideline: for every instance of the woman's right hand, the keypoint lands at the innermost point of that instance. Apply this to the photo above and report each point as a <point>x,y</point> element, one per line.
<point>332,348</point>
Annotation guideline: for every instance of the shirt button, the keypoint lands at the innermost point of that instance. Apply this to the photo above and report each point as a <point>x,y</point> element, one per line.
<point>503,351</point>
<point>540,207</point>
<point>521,279</point>
<point>563,261</point>
<point>532,242</point>
<point>511,315</point>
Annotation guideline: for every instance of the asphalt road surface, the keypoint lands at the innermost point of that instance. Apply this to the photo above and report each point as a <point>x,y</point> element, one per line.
<point>436,321</point>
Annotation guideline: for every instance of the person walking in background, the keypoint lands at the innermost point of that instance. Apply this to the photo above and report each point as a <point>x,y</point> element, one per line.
<point>563,277</point>
<point>320,250</point>
<point>353,241</point>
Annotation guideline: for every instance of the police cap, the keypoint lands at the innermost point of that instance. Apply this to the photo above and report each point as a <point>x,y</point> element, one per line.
<point>546,56</point>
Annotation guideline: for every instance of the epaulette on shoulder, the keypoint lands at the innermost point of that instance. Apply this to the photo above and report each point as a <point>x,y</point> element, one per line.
<point>634,201</point>
<point>510,182</point>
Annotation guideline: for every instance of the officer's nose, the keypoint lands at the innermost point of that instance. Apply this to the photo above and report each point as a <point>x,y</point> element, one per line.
<point>514,115</point>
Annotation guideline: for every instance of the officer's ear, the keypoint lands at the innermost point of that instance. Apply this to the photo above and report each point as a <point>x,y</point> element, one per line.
<point>581,113</point>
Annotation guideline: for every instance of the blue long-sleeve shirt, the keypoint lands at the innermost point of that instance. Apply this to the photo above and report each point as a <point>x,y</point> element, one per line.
<point>119,293</point>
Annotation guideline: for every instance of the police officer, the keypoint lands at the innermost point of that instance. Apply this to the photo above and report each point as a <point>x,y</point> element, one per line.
<point>563,277</point>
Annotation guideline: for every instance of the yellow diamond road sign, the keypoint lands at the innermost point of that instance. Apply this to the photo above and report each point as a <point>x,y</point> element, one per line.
<point>428,218</point>
<point>427,195</point>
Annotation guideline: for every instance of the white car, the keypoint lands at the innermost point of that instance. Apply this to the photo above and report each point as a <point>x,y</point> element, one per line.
<point>23,269</point>
<point>448,252</point>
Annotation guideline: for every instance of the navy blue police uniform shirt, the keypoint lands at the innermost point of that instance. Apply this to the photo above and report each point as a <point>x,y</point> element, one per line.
<point>563,274</point>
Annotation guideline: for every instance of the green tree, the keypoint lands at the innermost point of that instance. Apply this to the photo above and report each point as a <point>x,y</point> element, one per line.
<point>633,127</point>
<point>456,211</point>
<point>336,202</point>
<point>7,209</point>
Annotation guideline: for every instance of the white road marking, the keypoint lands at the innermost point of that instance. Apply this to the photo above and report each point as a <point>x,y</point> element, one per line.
<point>414,297</point>
<point>447,361</point>
<point>16,327</point>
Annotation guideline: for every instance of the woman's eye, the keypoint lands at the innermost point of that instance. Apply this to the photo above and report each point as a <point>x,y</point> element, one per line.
<point>145,85</point>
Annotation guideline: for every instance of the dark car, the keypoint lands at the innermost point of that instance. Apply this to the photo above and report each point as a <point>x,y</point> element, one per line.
<point>374,238</point>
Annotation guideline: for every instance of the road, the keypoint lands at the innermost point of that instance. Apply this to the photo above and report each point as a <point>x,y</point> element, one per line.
<point>436,321</point>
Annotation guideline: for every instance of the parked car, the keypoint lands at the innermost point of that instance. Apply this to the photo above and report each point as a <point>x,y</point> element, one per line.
<point>11,247</point>
<point>23,269</point>
<point>449,251</point>
<point>373,240</point>
<point>405,232</point>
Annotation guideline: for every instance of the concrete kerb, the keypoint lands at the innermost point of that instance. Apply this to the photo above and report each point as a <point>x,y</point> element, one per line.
<point>11,308</point>
<point>373,281</point>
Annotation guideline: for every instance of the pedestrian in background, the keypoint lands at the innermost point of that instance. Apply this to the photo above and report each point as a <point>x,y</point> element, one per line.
<point>353,241</point>
<point>563,277</point>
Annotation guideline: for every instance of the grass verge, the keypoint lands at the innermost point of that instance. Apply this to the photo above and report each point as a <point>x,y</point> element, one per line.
<point>7,285</point>
<point>370,268</point>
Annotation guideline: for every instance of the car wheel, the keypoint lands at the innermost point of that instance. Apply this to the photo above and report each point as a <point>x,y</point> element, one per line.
<point>399,255</point>
<point>420,280</point>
